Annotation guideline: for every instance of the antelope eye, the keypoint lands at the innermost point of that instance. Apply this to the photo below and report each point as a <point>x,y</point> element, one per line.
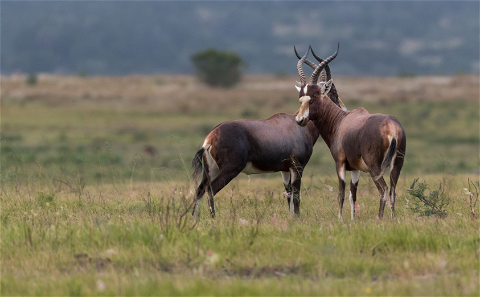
<point>311,100</point>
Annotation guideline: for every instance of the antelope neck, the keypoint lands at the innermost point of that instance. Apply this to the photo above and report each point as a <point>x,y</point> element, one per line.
<point>327,120</point>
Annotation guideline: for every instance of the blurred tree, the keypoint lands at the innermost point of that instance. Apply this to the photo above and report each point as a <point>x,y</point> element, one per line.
<point>31,79</point>
<point>218,68</point>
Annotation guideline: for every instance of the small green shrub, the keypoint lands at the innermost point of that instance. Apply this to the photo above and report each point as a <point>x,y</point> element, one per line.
<point>433,204</point>
<point>218,68</point>
<point>32,79</point>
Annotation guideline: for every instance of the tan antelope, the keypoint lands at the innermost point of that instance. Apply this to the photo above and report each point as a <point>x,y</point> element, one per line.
<point>254,147</point>
<point>358,141</point>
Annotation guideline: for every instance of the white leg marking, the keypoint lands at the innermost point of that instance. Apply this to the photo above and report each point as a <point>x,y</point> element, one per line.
<point>342,173</point>
<point>196,206</point>
<point>285,177</point>
<point>355,176</point>
<point>385,195</point>
<point>352,206</point>
<point>293,177</point>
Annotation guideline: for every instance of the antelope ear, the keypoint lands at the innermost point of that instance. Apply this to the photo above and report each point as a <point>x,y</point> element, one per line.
<point>298,88</point>
<point>322,87</point>
<point>342,105</point>
<point>326,87</point>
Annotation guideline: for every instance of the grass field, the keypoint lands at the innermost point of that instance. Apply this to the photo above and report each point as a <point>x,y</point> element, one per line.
<point>95,193</point>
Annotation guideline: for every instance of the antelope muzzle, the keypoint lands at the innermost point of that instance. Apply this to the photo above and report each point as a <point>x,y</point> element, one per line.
<point>303,112</point>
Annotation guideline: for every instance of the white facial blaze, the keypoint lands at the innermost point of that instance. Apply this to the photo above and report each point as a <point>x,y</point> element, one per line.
<point>304,110</point>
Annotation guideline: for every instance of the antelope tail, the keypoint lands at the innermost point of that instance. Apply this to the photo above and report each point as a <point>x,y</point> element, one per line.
<point>387,160</point>
<point>197,164</point>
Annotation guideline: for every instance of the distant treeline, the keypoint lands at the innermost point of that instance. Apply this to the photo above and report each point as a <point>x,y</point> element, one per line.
<point>127,37</point>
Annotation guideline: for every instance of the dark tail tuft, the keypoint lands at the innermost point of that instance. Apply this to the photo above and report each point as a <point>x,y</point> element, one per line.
<point>197,164</point>
<point>388,158</point>
<point>390,154</point>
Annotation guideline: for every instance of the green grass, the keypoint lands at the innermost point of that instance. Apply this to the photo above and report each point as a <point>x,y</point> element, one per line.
<point>104,146</point>
<point>135,239</point>
<point>86,210</point>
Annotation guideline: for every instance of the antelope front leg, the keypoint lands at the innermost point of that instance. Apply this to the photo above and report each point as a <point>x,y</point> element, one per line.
<point>296,196</point>
<point>341,189</point>
<point>353,191</point>
<point>288,186</point>
<point>296,178</point>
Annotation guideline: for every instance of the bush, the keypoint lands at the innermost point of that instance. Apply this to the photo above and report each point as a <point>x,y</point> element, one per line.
<point>31,79</point>
<point>433,204</point>
<point>218,68</point>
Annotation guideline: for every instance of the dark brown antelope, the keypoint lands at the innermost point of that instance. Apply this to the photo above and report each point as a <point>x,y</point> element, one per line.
<point>358,141</point>
<point>253,147</point>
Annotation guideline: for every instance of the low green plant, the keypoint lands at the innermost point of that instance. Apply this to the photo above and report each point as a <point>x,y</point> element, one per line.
<point>32,79</point>
<point>44,199</point>
<point>427,205</point>
<point>218,68</point>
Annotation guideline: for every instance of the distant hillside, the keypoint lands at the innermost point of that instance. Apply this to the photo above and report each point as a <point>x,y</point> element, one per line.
<point>127,37</point>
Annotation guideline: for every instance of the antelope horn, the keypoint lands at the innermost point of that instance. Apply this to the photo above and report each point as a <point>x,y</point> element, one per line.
<point>327,68</point>
<point>303,80</point>
<point>309,63</point>
<point>316,72</point>
<point>313,65</point>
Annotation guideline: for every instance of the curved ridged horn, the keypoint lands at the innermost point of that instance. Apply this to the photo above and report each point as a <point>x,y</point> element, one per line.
<point>316,72</point>
<point>313,65</point>
<point>309,63</point>
<point>303,80</point>
<point>327,68</point>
